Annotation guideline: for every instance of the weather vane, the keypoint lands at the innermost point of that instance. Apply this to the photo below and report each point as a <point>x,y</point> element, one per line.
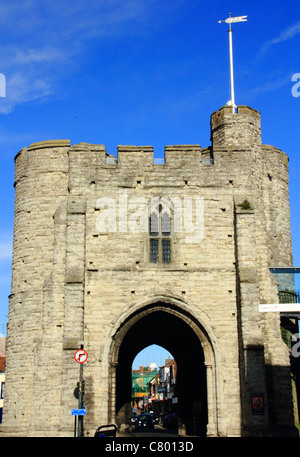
<point>229,21</point>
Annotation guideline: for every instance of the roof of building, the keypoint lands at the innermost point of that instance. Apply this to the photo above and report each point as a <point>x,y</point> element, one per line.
<point>2,364</point>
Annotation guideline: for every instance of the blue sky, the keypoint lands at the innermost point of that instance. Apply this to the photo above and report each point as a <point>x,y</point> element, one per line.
<point>141,72</point>
<point>151,354</point>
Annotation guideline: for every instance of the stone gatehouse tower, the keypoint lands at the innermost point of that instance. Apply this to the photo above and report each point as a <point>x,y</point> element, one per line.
<point>118,254</point>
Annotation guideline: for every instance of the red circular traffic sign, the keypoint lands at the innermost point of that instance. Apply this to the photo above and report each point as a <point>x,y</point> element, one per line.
<point>80,356</point>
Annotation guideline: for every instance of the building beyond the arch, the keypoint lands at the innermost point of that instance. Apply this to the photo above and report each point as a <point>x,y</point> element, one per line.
<point>90,265</point>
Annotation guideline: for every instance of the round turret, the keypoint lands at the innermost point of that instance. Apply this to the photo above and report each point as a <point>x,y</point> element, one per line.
<point>242,128</point>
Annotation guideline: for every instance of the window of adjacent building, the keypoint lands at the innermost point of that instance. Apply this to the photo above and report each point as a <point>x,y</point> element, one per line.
<point>160,236</point>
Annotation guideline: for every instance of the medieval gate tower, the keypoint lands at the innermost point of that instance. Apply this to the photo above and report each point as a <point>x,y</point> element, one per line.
<point>118,254</point>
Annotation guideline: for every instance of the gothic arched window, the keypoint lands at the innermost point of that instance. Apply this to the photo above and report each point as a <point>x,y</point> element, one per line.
<point>160,233</point>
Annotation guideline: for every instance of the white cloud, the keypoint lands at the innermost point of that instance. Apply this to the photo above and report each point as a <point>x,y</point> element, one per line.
<point>24,87</point>
<point>268,86</point>
<point>34,69</point>
<point>286,34</point>
<point>73,21</point>
<point>33,56</point>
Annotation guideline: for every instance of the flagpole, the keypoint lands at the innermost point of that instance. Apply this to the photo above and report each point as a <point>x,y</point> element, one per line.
<point>229,21</point>
<point>231,67</point>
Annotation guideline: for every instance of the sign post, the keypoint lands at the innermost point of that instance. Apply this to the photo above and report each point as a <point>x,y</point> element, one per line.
<point>80,356</point>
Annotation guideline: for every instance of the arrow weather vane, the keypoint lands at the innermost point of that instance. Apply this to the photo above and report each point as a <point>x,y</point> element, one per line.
<point>229,21</point>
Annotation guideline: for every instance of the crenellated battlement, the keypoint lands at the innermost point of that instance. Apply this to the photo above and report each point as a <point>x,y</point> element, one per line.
<point>241,130</point>
<point>236,145</point>
<point>235,139</point>
<point>49,144</point>
<point>127,155</point>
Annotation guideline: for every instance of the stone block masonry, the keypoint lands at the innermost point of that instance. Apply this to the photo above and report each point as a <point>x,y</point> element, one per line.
<point>82,272</point>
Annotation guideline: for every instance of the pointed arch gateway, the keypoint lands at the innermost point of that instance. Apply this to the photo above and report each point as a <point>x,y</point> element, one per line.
<point>168,323</point>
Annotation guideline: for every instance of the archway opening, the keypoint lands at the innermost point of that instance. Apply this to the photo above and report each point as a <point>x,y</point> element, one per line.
<point>154,388</point>
<point>151,354</point>
<point>162,327</point>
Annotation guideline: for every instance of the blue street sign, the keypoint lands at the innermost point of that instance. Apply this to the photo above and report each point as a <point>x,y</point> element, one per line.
<point>78,412</point>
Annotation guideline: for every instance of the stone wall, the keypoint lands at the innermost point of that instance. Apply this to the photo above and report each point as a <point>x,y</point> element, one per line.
<point>74,282</point>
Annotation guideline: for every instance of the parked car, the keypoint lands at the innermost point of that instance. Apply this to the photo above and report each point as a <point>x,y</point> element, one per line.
<point>170,421</point>
<point>144,421</point>
<point>154,417</point>
<point>133,418</point>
